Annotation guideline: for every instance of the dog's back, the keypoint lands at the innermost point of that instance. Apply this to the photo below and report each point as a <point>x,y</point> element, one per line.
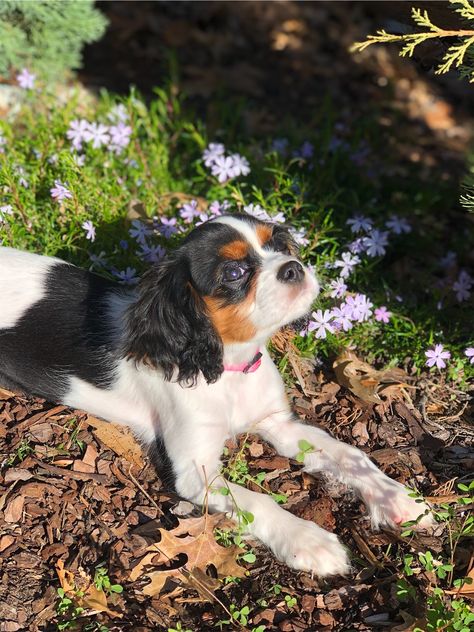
<point>54,323</point>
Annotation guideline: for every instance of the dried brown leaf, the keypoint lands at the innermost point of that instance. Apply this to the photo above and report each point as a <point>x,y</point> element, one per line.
<point>117,438</point>
<point>364,381</point>
<point>193,537</point>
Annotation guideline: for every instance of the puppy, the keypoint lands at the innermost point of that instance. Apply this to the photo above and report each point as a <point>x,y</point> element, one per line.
<point>183,357</point>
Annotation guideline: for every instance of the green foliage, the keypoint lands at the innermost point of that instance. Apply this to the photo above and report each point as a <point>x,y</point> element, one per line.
<point>67,610</point>
<point>456,53</point>
<point>305,448</point>
<point>102,581</point>
<point>46,36</point>
<point>442,610</point>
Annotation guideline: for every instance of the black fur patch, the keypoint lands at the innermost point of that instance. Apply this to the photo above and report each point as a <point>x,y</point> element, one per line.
<point>66,333</point>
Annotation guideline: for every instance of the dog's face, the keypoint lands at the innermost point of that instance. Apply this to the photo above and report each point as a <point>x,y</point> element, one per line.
<point>233,280</point>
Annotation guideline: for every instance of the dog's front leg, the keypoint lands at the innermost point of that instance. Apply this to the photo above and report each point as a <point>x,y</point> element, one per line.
<point>389,502</point>
<point>301,544</point>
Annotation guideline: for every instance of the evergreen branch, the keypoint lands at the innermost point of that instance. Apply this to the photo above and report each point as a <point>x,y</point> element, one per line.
<point>422,19</point>
<point>411,39</point>
<point>466,10</point>
<point>454,55</point>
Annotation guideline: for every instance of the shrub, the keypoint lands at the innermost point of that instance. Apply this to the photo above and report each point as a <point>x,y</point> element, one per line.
<point>46,36</point>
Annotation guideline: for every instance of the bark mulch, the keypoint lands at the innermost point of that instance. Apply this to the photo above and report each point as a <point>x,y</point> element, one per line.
<point>79,493</point>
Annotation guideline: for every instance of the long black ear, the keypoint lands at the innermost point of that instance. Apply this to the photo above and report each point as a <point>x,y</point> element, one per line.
<point>168,326</point>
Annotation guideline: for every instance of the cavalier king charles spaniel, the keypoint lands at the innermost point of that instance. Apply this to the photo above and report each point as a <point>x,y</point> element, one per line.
<point>182,357</point>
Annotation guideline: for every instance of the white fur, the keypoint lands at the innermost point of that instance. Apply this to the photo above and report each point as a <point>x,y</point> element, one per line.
<point>22,276</point>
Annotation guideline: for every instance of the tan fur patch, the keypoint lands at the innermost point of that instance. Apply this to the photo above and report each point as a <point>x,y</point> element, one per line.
<point>231,321</point>
<point>264,233</point>
<point>236,249</point>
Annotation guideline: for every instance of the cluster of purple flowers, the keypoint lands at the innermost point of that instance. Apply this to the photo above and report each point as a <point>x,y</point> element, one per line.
<point>3,142</point>
<point>355,308</point>
<point>306,151</point>
<point>115,137</point>
<point>190,211</point>
<point>224,167</point>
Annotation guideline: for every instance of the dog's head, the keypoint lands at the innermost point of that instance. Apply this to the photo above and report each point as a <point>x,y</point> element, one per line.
<point>233,280</point>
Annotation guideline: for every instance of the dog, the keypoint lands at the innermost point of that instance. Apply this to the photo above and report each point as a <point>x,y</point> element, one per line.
<point>182,357</point>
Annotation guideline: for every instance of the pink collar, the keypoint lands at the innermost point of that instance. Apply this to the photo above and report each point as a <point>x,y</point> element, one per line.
<point>246,367</point>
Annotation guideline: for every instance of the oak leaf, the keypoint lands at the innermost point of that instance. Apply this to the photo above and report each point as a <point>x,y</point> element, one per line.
<point>364,381</point>
<point>193,537</point>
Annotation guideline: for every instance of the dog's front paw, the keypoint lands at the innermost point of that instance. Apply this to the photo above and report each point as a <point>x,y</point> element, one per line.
<point>303,545</point>
<point>391,505</point>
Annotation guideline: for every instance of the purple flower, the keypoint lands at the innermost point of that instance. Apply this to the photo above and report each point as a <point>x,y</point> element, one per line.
<point>189,211</point>
<point>449,260</point>
<point>90,230</point>
<point>437,356</point>
<point>359,223</point>
<point>341,318</point>
<point>127,276</point>
<point>26,79</point>
<point>357,246</point>
<point>398,225</point>
<point>223,168</point>
<point>5,210</point>
<point>321,322</point>
<point>346,263</point>
<point>358,307</point>
<point>240,166</point>
<point>279,218</point>
<point>123,243</point>
<point>139,231</point>
<point>217,208</point>
<point>463,286</point>
<point>338,287</point>
<point>469,352</point>
<point>203,217</point>
<point>212,152</point>
<point>97,260</point>
<point>168,227</point>
<point>306,150</point>
<point>280,145</point>
<point>382,314</point>
<point>118,113</point>
<point>77,132</point>
<point>59,192</point>
<point>255,210</point>
<point>152,254</point>
<point>375,243</point>
<point>119,137</point>
<point>98,134</point>
<point>299,236</point>
<point>79,160</point>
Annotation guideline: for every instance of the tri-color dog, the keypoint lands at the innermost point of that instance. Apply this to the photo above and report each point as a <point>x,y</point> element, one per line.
<point>183,357</point>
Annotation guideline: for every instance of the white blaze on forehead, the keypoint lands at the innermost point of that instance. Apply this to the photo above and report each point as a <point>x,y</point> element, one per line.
<point>22,282</point>
<point>247,230</point>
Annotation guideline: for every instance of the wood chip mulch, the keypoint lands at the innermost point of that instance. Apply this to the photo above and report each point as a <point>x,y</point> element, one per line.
<point>81,492</point>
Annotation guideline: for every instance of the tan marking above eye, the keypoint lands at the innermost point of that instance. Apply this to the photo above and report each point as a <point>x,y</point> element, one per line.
<point>264,233</point>
<point>235,250</point>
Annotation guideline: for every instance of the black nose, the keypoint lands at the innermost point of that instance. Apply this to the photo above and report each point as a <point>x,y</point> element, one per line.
<point>291,272</point>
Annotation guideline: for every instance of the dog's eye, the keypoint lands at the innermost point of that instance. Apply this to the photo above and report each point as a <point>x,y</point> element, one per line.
<point>282,247</point>
<point>234,271</point>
